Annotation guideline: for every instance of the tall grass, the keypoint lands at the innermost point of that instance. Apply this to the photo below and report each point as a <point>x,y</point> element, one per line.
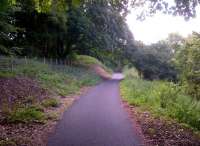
<point>163,99</point>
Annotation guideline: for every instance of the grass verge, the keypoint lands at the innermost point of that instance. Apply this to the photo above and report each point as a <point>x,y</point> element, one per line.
<point>26,115</point>
<point>162,99</point>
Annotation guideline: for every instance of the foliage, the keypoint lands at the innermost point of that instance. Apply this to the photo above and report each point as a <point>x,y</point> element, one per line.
<point>154,61</point>
<point>185,8</point>
<point>163,99</point>
<point>51,102</point>
<point>27,114</point>
<point>6,74</point>
<point>89,61</point>
<point>7,143</point>
<point>61,79</point>
<point>187,61</point>
<point>131,72</point>
<point>60,28</point>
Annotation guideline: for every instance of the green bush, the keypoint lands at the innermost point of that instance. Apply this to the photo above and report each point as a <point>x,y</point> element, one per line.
<point>51,102</point>
<point>162,98</point>
<point>131,72</point>
<point>27,114</point>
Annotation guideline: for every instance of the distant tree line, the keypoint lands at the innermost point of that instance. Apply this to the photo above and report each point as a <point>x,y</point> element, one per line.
<point>64,28</point>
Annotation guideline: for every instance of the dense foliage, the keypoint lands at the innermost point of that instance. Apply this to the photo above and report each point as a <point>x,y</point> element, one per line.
<point>162,99</point>
<point>63,28</point>
<point>187,61</point>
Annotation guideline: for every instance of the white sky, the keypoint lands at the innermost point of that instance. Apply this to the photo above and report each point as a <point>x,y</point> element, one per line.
<point>158,27</point>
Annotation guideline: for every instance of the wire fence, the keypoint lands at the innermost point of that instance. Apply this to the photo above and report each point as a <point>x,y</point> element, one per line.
<point>60,65</point>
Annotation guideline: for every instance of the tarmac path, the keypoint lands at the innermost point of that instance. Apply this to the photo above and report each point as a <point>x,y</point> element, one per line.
<point>97,119</point>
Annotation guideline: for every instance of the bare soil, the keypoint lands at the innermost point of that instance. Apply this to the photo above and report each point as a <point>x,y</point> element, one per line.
<point>163,132</point>
<point>16,90</point>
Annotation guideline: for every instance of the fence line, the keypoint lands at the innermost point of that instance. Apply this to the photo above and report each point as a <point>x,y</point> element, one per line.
<point>56,64</point>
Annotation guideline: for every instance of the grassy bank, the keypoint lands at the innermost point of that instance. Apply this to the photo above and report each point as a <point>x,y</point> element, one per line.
<point>36,92</point>
<point>162,99</point>
<point>63,79</point>
<point>27,76</point>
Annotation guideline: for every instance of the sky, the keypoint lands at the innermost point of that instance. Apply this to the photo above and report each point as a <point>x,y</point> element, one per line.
<point>158,27</point>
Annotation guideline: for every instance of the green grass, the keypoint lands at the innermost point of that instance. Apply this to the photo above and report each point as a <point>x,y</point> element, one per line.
<point>131,72</point>
<point>61,79</point>
<point>162,99</point>
<point>51,102</point>
<point>7,143</point>
<point>26,115</point>
<point>57,79</point>
<point>89,61</point>
<point>7,74</point>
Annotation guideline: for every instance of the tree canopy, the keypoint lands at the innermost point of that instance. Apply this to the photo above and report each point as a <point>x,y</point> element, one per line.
<point>63,28</point>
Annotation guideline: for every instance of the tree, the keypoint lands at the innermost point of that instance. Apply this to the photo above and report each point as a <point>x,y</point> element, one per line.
<point>188,63</point>
<point>185,8</point>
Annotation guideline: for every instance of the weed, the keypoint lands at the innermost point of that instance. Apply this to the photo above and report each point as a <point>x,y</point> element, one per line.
<point>26,115</point>
<point>7,74</point>
<point>162,99</point>
<point>7,143</point>
<point>51,102</point>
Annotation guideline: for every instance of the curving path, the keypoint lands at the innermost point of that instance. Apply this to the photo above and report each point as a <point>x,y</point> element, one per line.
<point>96,119</point>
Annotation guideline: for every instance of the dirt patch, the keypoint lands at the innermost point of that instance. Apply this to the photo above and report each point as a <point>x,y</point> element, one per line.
<point>36,134</point>
<point>163,132</point>
<point>18,89</point>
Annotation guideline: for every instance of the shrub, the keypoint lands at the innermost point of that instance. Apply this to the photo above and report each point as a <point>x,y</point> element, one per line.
<point>131,72</point>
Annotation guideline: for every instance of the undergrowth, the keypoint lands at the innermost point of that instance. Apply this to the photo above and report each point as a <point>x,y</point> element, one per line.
<point>61,79</point>
<point>162,98</point>
<point>25,115</point>
<point>51,102</point>
<point>56,79</point>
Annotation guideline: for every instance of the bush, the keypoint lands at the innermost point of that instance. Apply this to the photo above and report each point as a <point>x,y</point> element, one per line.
<point>27,114</point>
<point>131,72</point>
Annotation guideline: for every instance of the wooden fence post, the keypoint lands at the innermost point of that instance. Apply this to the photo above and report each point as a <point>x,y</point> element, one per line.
<point>12,65</point>
<point>25,60</point>
<point>44,61</point>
